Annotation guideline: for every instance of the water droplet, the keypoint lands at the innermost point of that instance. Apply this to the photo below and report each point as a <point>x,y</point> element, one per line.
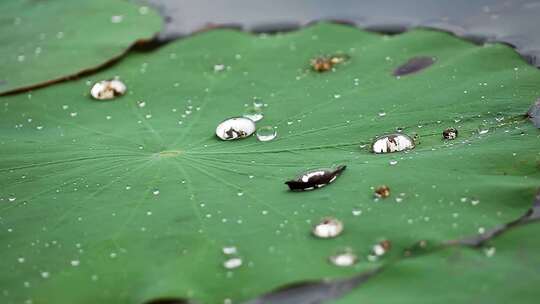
<point>229,250</point>
<point>20,260</point>
<point>12,199</point>
<point>328,228</point>
<point>108,89</point>
<point>357,212</point>
<point>345,258</point>
<point>254,113</point>
<point>75,263</point>
<point>266,133</point>
<point>240,193</point>
<point>450,133</point>
<point>155,192</point>
<point>393,162</point>
<point>381,248</point>
<point>219,67</point>
<point>483,131</point>
<point>314,179</point>
<point>382,113</point>
<point>489,251</point>
<point>232,263</point>
<point>117,18</point>
<point>475,201</point>
<point>235,128</point>
<point>45,274</point>
<point>73,114</point>
<point>392,143</point>
<point>382,191</point>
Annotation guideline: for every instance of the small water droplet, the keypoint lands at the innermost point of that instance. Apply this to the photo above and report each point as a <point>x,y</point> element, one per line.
<point>345,258</point>
<point>141,104</point>
<point>45,274</point>
<point>155,192</point>
<point>235,128</point>
<point>75,263</point>
<point>12,199</point>
<point>229,250</point>
<point>108,89</point>
<point>475,201</point>
<point>382,113</point>
<point>393,162</point>
<point>117,18</point>
<point>232,263</point>
<point>381,248</point>
<point>328,228</point>
<point>314,179</point>
<point>266,133</point>
<point>240,193</point>
<point>357,212</point>
<point>489,251</point>
<point>254,113</point>
<point>392,143</point>
<point>483,131</point>
<point>450,133</point>
<point>219,67</point>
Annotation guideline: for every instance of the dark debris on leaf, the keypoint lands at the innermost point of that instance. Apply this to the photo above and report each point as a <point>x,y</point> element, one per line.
<point>414,65</point>
<point>314,179</point>
<point>534,113</point>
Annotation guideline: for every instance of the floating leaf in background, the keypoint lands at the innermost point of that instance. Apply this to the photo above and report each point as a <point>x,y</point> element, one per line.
<point>45,41</point>
<point>135,199</point>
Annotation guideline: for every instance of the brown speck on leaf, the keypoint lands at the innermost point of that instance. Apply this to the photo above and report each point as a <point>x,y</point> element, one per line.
<point>382,191</point>
<point>327,63</point>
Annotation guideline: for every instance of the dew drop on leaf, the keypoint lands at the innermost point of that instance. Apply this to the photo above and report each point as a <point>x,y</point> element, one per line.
<point>392,143</point>
<point>108,89</point>
<point>314,179</point>
<point>232,263</point>
<point>381,248</point>
<point>450,133</point>
<point>235,128</point>
<point>328,228</point>
<point>345,258</point>
<point>254,113</point>
<point>266,133</point>
<point>141,104</point>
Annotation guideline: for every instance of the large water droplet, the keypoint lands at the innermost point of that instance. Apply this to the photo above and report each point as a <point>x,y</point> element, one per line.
<point>314,179</point>
<point>328,228</point>
<point>235,128</point>
<point>392,143</point>
<point>266,133</point>
<point>345,258</point>
<point>450,133</point>
<point>108,89</point>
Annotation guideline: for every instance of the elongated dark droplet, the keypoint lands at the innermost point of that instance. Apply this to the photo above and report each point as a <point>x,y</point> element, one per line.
<point>314,179</point>
<point>414,65</point>
<point>534,113</point>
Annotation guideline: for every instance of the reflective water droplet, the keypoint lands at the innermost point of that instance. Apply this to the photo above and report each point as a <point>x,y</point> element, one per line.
<point>489,251</point>
<point>345,258</point>
<point>229,250</point>
<point>414,65</point>
<point>20,260</point>
<point>328,228</point>
<point>75,263</point>
<point>392,143</point>
<point>73,114</point>
<point>393,162</point>
<point>357,212</point>
<point>219,67</point>
<point>475,201</point>
<point>117,18</point>
<point>381,248</point>
<point>12,199</point>
<point>235,128</point>
<point>382,191</point>
<point>253,113</point>
<point>108,89</point>
<point>382,113</point>
<point>450,133</point>
<point>155,192</point>
<point>45,274</point>
<point>266,133</point>
<point>483,131</point>
<point>232,263</point>
<point>141,104</point>
<point>314,179</point>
